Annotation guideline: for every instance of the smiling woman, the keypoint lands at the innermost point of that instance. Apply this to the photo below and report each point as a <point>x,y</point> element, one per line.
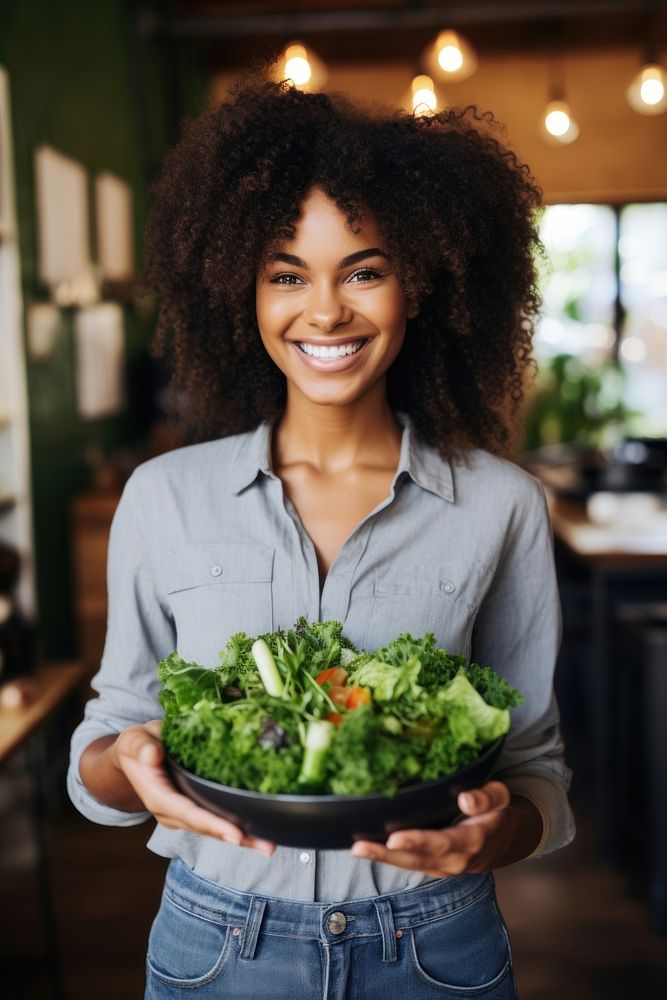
<point>347,299</point>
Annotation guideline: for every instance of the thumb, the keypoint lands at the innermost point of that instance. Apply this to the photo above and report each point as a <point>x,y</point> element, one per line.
<point>154,727</point>
<point>152,751</point>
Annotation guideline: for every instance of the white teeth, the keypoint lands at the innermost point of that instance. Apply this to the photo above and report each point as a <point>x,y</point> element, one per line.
<point>317,351</point>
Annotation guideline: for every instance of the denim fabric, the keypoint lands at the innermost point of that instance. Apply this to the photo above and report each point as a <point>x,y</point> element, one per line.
<point>204,544</point>
<point>444,939</point>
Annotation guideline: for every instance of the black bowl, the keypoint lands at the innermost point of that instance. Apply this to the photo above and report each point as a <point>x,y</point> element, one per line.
<point>336,821</point>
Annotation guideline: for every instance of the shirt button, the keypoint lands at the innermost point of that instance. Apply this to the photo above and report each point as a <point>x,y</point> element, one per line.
<point>304,857</point>
<point>448,588</point>
<point>216,570</point>
<point>337,922</point>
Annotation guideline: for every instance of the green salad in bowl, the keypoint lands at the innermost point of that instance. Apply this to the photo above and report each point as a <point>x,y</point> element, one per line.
<point>298,736</point>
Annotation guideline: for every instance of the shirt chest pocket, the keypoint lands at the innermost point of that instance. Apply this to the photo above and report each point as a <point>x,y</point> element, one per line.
<point>427,598</point>
<point>215,590</point>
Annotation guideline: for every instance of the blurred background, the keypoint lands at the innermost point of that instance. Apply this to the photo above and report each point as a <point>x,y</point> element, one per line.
<point>91,96</point>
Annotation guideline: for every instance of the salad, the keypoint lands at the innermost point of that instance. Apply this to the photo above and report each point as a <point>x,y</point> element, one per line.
<point>302,710</point>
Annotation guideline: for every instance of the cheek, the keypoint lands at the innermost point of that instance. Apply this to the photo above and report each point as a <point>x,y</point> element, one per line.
<point>392,318</point>
<point>272,320</point>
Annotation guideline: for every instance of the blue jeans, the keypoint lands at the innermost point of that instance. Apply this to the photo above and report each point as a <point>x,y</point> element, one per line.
<point>445,939</point>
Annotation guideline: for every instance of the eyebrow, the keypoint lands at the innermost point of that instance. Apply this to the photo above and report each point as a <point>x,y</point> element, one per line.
<point>353,258</point>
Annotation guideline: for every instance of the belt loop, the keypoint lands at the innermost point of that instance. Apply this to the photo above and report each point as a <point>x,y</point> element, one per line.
<point>386,920</point>
<point>252,925</point>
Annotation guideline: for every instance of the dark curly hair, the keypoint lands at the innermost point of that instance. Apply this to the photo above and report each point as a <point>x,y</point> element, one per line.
<point>456,211</point>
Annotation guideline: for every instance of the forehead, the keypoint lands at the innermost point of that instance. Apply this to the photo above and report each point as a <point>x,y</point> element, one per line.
<point>321,221</point>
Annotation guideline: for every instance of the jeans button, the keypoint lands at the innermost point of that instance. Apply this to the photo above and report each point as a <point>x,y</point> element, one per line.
<point>337,922</point>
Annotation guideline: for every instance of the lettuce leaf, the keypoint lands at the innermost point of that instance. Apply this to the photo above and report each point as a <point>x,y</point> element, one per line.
<point>489,723</point>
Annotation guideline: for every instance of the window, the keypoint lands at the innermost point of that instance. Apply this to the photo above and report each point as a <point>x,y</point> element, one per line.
<point>604,288</point>
<point>643,295</point>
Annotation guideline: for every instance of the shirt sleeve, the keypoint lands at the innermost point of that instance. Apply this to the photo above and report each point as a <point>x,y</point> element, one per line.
<point>517,632</point>
<point>140,631</point>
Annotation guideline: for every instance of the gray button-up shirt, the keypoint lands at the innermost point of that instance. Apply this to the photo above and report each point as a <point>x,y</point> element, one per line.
<point>204,544</point>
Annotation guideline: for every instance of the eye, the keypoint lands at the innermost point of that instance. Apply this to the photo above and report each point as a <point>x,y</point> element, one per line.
<point>286,278</point>
<point>365,274</point>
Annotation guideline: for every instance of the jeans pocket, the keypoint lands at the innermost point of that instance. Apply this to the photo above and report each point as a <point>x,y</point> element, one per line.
<point>465,952</point>
<point>186,950</point>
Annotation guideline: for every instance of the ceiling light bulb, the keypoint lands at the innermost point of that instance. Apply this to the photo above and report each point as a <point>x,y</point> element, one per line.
<point>424,100</point>
<point>301,67</point>
<point>450,56</point>
<point>647,93</point>
<point>558,122</point>
<point>652,91</point>
<point>297,67</point>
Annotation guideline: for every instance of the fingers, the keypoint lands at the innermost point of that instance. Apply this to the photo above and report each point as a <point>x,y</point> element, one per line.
<point>436,862</point>
<point>141,756</point>
<point>450,851</point>
<point>177,811</point>
<point>492,795</point>
<point>265,846</point>
<point>142,743</point>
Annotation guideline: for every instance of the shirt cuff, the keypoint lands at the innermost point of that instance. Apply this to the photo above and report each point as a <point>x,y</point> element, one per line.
<point>550,800</point>
<point>85,801</point>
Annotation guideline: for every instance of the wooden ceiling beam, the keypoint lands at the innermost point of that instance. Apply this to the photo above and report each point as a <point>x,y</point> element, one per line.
<point>457,15</point>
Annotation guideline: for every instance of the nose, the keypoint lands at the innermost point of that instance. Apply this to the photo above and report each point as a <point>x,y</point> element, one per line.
<point>325,309</point>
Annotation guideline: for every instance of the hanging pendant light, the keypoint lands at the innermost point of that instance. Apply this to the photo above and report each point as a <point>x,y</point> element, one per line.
<point>450,57</point>
<point>558,125</point>
<point>303,67</point>
<point>647,92</point>
<point>424,100</point>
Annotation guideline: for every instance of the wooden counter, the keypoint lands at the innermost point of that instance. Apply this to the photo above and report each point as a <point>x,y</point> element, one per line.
<point>52,683</point>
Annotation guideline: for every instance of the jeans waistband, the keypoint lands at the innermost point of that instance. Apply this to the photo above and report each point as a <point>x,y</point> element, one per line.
<point>248,913</point>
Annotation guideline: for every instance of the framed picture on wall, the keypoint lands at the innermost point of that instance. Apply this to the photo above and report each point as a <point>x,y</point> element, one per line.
<point>114,228</point>
<point>100,355</point>
<point>63,224</point>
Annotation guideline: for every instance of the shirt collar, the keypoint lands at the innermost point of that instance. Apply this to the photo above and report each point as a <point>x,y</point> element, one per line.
<point>419,461</point>
<point>424,464</point>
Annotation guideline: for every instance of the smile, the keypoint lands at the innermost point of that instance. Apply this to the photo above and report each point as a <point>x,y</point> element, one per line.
<point>330,352</point>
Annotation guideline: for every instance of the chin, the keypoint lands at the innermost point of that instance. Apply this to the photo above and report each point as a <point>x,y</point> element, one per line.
<point>331,398</point>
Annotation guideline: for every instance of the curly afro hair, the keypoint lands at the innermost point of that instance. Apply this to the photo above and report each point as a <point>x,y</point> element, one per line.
<point>457,212</point>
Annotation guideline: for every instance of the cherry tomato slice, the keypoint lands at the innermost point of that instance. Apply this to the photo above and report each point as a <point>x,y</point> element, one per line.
<point>335,717</point>
<point>338,694</point>
<point>356,697</point>
<point>332,675</point>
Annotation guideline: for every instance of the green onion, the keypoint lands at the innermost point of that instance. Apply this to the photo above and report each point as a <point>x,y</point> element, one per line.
<point>267,668</point>
<point>318,740</point>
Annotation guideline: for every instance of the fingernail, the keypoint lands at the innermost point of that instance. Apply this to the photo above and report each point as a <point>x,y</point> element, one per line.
<point>467,800</point>
<point>398,843</point>
<point>362,852</point>
<point>147,754</point>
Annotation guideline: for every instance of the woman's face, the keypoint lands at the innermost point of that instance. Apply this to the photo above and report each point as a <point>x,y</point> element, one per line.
<point>330,309</point>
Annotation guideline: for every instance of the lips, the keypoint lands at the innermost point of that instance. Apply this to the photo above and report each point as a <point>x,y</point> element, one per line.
<point>336,364</point>
<point>331,351</point>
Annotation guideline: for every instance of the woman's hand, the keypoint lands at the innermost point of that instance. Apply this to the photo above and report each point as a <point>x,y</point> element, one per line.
<point>138,752</point>
<point>498,830</point>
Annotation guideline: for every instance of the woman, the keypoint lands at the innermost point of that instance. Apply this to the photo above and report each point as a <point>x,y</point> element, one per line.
<point>346,297</point>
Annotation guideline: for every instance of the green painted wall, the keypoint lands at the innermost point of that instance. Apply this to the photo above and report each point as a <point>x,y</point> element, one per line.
<point>75,85</point>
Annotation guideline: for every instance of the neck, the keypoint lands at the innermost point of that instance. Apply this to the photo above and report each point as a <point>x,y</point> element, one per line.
<point>335,438</point>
